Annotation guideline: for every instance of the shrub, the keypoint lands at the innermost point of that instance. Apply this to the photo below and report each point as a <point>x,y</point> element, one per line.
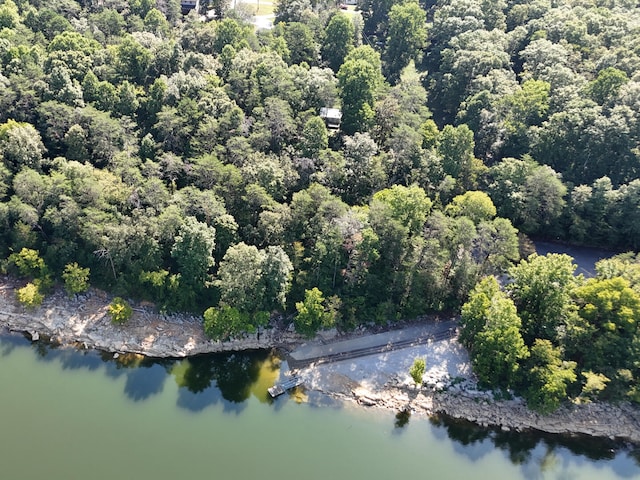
<point>30,296</point>
<point>120,311</point>
<point>76,278</point>
<point>417,370</point>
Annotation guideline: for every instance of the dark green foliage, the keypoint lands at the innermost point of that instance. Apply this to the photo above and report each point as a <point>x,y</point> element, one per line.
<point>548,377</point>
<point>226,323</point>
<point>407,37</point>
<point>338,40</point>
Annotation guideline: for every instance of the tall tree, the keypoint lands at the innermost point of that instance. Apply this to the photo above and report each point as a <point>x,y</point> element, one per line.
<point>193,252</point>
<point>406,38</point>
<point>338,40</point>
<point>541,289</point>
<point>359,81</point>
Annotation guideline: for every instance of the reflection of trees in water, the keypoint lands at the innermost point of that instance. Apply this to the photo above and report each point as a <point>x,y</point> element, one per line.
<point>402,419</point>
<point>236,374</point>
<point>233,373</point>
<point>461,431</point>
<point>520,446</point>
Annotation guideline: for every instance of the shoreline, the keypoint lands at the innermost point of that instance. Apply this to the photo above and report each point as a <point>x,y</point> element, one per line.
<point>83,321</point>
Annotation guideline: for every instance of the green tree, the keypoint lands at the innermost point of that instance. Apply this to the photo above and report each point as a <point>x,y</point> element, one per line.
<point>475,205</point>
<point>315,137</point>
<point>193,252</point>
<point>406,38</point>
<point>29,263</point>
<point>359,81</point>
<point>548,377</point>
<point>120,311</point>
<point>301,44</point>
<point>455,147</point>
<point>225,323</point>
<point>611,310</point>
<point>338,40</point>
<point>473,317</point>
<point>499,348</point>
<point>20,146</point>
<point>312,314</point>
<point>606,85</point>
<point>408,205</point>
<point>76,278</point>
<point>417,370</point>
<point>542,287</point>
<point>254,280</point>
<point>133,60</point>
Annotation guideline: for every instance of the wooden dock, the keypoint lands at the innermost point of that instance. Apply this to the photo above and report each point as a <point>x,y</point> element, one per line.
<point>288,384</point>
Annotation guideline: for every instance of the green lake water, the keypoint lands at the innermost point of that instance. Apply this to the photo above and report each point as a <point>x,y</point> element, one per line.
<point>67,414</point>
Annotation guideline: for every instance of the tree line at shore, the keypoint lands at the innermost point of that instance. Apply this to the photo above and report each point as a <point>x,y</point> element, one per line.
<point>185,161</point>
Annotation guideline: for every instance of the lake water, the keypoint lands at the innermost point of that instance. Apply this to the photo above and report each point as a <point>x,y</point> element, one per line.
<point>68,414</point>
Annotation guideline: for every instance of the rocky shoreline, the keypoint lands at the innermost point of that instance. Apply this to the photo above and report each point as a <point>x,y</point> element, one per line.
<point>615,422</point>
<point>83,321</point>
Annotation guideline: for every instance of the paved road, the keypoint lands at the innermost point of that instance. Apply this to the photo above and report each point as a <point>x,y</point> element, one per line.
<point>318,353</point>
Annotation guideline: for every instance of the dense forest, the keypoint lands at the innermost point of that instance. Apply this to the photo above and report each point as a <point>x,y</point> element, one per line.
<point>183,159</point>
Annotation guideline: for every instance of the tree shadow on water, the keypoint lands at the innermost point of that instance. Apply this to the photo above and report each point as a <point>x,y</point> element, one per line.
<point>468,438</point>
<point>206,380</point>
<point>9,342</point>
<point>145,381</point>
<point>401,420</point>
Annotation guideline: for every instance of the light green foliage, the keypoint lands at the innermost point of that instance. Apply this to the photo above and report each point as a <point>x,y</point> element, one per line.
<point>606,85</point>
<point>417,370</point>
<point>30,296</point>
<point>254,280</point>
<point>119,311</point>
<point>455,146</point>
<point>474,312</point>
<point>359,81</point>
<point>156,22</point>
<point>409,205</point>
<point>312,315</point>
<point>314,137</point>
<point>76,278</point>
<point>472,204</point>
<point>625,265</point>
<point>133,59</point>
<point>594,385</point>
<point>525,107</point>
<point>28,263</point>
<point>20,145</point>
<point>9,14</point>
<point>611,310</point>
